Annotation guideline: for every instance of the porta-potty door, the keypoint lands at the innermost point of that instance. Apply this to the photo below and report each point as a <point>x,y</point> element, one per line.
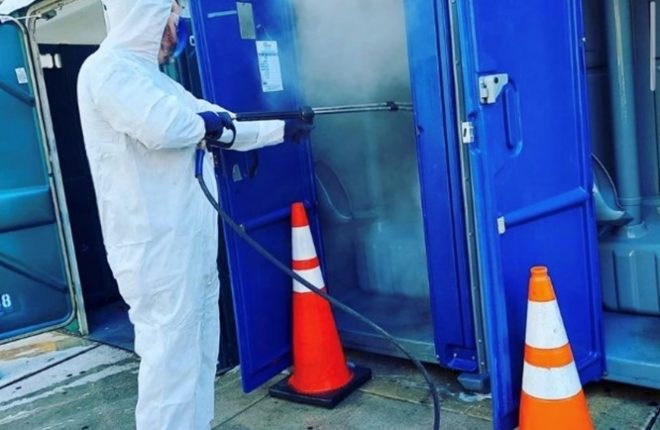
<point>34,292</point>
<point>246,55</point>
<point>524,88</point>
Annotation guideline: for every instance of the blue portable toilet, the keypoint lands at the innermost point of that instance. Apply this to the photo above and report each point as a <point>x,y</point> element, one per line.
<point>428,222</point>
<point>503,150</point>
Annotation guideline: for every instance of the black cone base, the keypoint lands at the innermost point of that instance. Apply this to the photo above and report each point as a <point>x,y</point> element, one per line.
<point>328,400</point>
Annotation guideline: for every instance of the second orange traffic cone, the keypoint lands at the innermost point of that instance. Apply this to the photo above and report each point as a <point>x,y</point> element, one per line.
<point>321,375</point>
<point>552,396</point>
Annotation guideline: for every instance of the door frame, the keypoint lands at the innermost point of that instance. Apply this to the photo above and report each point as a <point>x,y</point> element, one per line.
<point>50,146</point>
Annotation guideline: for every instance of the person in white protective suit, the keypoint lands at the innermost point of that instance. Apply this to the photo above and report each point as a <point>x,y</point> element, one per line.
<point>141,129</point>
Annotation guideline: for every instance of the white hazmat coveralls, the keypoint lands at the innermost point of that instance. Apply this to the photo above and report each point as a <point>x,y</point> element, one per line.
<point>140,129</point>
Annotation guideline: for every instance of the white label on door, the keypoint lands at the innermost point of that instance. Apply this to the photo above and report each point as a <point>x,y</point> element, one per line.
<point>269,66</point>
<point>21,75</point>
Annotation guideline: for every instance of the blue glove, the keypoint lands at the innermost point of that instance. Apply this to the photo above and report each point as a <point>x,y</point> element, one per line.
<point>216,123</point>
<point>297,129</point>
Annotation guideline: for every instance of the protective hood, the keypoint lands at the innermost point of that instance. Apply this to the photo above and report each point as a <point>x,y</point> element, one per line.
<point>137,26</point>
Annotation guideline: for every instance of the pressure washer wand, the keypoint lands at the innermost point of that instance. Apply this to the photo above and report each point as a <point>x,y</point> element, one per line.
<point>307,113</point>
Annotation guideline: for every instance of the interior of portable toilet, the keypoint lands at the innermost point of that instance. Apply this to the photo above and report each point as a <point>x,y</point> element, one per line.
<point>386,191</point>
<point>369,179</point>
<point>622,69</point>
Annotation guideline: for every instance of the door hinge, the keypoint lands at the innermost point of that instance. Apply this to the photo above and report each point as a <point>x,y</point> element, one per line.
<point>467,132</point>
<point>491,86</point>
<point>51,61</point>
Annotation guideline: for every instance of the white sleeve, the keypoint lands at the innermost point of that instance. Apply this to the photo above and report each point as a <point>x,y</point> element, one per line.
<point>132,104</point>
<point>257,134</point>
<point>249,135</point>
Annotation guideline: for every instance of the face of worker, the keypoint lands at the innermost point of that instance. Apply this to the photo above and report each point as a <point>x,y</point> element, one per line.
<point>169,41</point>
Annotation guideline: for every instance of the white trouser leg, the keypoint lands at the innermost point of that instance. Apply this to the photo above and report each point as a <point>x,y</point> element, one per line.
<point>168,339</point>
<point>210,345</point>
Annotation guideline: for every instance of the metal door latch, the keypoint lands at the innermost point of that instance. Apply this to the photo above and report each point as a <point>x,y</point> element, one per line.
<point>491,86</point>
<point>501,225</point>
<point>467,132</point>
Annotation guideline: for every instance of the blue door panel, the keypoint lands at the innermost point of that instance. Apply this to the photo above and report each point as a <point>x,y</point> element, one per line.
<point>26,207</point>
<point>34,293</point>
<point>440,182</point>
<point>569,279</point>
<point>532,180</point>
<point>258,187</point>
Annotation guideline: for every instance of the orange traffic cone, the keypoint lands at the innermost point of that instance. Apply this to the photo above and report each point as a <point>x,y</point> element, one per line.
<point>321,375</point>
<point>552,396</point>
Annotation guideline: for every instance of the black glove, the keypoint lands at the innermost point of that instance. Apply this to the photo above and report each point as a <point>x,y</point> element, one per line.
<point>297,129</point>
<point>216,123</point>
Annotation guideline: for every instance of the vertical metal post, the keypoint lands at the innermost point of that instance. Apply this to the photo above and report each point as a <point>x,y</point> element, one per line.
<point>622,92</point>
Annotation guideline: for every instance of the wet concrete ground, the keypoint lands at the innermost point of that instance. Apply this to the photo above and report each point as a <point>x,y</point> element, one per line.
<point>59,382</point>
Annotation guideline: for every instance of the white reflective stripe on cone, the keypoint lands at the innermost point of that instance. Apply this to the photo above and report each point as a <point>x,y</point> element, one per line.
<point>314,276</point>
<point>303,244</point>
<point>555,383</point>
<point>545,329</point>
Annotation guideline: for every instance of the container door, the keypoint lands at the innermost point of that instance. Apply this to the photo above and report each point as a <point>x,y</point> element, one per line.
<point>247,63</point>
<point>440,180</point>
<point>34,291</point>
<point>524,89</point>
